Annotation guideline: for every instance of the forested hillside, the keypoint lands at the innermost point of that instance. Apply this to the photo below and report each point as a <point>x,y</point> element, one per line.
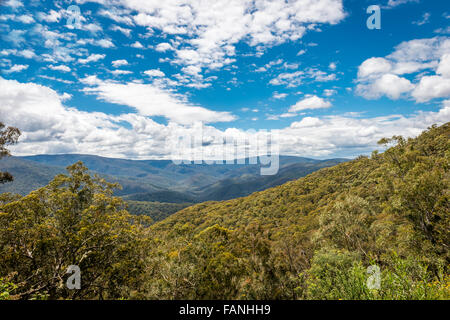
<point>157,211</point>
<point>313,238</point>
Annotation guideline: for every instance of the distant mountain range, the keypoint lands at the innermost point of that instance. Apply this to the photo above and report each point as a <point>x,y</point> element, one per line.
<point>161,180</point>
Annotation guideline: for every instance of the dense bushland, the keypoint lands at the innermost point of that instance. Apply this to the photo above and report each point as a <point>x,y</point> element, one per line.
<point>312,238</point>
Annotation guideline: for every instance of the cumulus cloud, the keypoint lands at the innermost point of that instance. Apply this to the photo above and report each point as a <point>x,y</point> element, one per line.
<point>198,35</point>
<point>310,102</point>
<point>26,53</point>
<point>119,63</point>
<point>137,45</point>
<point>51,127</point>
<point>151,100</point>
<point>395,3</point>
<point>92,58</point>
<point>374,66</point>
<point>344,136</point>
<point>329,92</point>
<point>432,87</point>
<point>125,31</point>
<point>16,68</point>
<point>163,47</point>
<point>388,84</point>
<point>212,30</point>
<point>406,72</point>
<point>13,3</point>
<point>295,79</point>
<point>16,37</point>
<point>52,16</point>
<point>121,72</point>
<point>60,68</point>
<point>24,18</point>
<point>154,73</point>
<point>278,96</point>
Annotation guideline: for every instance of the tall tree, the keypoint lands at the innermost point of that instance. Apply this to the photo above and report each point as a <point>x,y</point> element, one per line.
<point>8,136</point>
<point>77,221</point>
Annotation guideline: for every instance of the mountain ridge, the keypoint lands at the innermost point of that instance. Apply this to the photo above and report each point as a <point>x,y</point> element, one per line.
<point>316,237</point>
<point>159,180</point>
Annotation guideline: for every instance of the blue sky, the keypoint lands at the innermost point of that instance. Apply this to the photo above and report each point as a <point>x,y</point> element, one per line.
<point>132,72</point>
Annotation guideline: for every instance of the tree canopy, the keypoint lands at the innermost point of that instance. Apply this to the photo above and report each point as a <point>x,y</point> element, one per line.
<point>320,237</point>
<point>8,136</point>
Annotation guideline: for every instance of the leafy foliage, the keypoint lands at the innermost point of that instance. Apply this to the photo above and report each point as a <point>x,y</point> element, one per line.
<point>8,136</point>
<point>74,220</point>
<point>157,211</point>
<point>315,237</point>
<point>312,238</point>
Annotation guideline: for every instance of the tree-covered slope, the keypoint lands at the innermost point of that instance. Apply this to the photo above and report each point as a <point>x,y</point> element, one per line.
<point>372,228</point>
<point>245,185</point>
<point>157,211</point>
<point>315,237</point>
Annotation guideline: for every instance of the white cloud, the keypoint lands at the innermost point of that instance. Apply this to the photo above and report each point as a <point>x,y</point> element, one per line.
<point>432,87</point>
<point>395,3</point>
<point>310,102</point>
<point>211,31</point>
<point>121,72</point>
<point>137,45</point>
<point>320,76</point>
<point>295,79</point>
<point>49,126</point>
<point>55,79</point>
<point>329,92</point>
<point>151,100</point>
<point>92,27</point>
<point>154,73</point>
<point>26,53</point>
<point>388,76</point>
<point>105,43</point>
<point>424,19</point>
<point>444,66</point>
<point>13,4</point>
<point>436,86</point>
<point>52,16</point>
<point>348,136</point>
<point>374,66</point>
<point>163,47</point>
<point>15,36</point>
<point>16,68</point>
<point>119,63</point>
<point>444,30</point>
<point>27,19</point>
<point>288,115</point>
<point>277,95</point>
<point>119,15</point>
<point>125,31</point>
<point>388,84</point>
<point>90,80</point>
<point>92,58</point>
<point>60,68</point>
